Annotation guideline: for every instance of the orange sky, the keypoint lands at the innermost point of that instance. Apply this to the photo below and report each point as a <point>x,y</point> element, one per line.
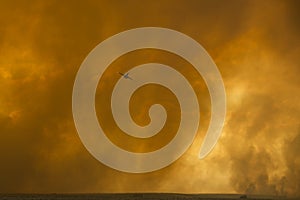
<point>255,45</point>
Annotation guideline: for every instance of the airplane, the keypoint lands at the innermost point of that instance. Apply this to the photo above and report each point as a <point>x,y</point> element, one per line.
<point>126,76</point>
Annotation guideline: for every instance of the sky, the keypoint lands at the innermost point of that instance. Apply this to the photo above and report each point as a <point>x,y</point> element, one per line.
<point>255,45</point>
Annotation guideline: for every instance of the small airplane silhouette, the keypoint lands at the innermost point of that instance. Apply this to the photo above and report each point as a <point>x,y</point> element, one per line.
<point>126,76</point>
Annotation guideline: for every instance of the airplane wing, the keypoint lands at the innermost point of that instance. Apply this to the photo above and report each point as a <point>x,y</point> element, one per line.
<point>127,76</point>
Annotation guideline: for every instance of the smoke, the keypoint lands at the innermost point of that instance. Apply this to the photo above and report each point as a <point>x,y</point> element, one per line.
<point>255,44</point>
<point>263,108</point>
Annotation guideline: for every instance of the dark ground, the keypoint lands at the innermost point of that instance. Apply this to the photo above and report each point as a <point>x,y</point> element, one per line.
<point>139,196</point>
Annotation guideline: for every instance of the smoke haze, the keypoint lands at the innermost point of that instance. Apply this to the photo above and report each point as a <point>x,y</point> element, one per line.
<point>255,45</point>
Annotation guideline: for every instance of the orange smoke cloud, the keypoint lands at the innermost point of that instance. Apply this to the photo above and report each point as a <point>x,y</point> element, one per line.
<point>255,45</point>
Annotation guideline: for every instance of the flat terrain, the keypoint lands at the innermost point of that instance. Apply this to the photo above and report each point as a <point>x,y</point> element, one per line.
<point>139,196</point>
